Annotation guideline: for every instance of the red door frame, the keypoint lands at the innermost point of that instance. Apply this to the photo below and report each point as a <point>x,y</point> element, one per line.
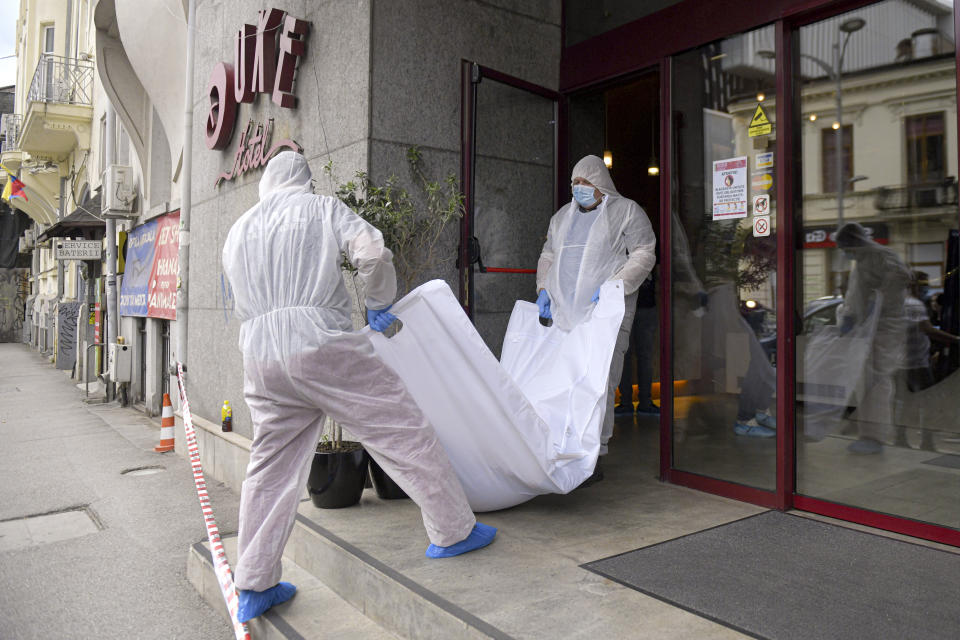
<point>615,55</point>
<point>471,74</point>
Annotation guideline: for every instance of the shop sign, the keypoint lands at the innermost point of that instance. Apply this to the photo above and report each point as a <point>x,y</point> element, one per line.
<point>253,152</point>
<point>264,61</point>
<point>823,237</point>
<point>730,188</point>
<point>149,287</point>
<point>77,249</point>
<point>760,125</point>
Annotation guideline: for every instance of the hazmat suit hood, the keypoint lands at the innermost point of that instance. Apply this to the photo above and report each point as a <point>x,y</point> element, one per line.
<point>286,171</point>
<point>592,169</point>
<point>853,235</point>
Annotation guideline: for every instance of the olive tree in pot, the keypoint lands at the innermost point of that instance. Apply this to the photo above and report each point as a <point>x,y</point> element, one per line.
<point>413,229</point>
<point>338,471</point>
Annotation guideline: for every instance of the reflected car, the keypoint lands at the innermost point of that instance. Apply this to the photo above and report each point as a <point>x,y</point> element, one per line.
<point>820,312</point>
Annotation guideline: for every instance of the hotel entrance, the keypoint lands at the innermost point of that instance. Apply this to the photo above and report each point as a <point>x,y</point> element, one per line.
<point>807,217</point>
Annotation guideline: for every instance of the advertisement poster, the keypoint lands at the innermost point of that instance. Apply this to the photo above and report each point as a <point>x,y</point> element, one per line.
<point>138,264</point>
<point>149,285</point>
<point>162,302</point>
<point>730,188</point>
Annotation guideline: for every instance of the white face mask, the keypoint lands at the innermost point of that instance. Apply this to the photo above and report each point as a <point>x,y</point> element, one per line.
<point>584,195</point>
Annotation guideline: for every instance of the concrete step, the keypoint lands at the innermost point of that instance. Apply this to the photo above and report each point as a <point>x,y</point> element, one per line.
<point>315,612</point>
<point>391,599</point>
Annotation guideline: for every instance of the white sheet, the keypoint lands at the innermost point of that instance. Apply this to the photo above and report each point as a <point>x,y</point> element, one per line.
<point>513,431</point>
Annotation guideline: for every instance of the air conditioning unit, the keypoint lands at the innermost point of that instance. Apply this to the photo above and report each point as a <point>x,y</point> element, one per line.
<point>119,191</point>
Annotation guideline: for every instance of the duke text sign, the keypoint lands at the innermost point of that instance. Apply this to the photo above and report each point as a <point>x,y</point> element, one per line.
<point>264,61</point>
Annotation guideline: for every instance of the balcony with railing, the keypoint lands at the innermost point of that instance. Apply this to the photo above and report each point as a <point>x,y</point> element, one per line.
<point>892,199</point>
<point>59,110</point>
<point>62,80</point>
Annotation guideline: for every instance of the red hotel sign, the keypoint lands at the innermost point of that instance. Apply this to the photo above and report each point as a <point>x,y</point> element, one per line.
<point>264,61</point>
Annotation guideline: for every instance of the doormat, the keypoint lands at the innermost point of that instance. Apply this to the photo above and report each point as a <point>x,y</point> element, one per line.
<point>948,460</point>
<point>782,576</point>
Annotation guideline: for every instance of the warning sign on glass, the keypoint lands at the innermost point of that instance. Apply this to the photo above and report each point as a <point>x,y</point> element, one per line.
<point>730,188</point>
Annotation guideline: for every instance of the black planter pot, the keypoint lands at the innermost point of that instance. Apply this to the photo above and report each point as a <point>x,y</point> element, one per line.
<point>337,477</point>
<point>386,488</point>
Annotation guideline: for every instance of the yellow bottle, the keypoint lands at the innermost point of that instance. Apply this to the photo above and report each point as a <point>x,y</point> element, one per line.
<point>226,417</point>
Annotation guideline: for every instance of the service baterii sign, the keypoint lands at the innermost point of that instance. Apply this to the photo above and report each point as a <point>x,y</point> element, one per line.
<point>264,61</point>
<point>149,286</point>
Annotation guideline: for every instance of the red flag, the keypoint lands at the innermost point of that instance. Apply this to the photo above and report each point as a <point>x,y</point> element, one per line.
<point>16,189</point>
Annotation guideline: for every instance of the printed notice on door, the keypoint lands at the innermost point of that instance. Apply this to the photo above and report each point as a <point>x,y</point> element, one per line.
<point>730,188</point>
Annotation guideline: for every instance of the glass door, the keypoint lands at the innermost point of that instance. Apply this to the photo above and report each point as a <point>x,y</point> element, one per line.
<point>723,264</point>
<point>877,285</point>
<point>509,148</point>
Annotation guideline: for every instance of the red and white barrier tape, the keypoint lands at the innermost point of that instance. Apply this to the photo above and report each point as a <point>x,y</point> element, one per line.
<point>220,565</point>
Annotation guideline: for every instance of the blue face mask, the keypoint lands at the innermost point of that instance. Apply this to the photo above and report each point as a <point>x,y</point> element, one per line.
<point>584,196</point>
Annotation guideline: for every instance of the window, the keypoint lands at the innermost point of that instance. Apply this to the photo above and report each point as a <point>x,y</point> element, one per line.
<point>49,68</point>
<point>828,157</point>
<point>926,156</point>
<point>48,40</point>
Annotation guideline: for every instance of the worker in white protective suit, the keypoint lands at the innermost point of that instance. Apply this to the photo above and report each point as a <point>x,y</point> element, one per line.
<point>878,283</point>
<point>598,236</point>
<point>302,362</point>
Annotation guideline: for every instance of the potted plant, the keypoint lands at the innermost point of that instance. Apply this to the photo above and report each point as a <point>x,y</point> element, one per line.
<point>339,470</point>
<point>413,229</point>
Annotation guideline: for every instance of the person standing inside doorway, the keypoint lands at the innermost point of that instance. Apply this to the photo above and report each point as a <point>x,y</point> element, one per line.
<point>639,357</point>
<point>598,236</point>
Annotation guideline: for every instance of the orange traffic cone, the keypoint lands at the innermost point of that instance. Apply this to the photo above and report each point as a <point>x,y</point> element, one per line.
<point>166,426</point>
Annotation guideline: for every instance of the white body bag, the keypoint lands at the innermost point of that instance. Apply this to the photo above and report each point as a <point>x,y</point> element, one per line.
<point>514,429</point>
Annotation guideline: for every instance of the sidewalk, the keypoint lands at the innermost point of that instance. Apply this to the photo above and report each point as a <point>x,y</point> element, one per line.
<point>94,526</point>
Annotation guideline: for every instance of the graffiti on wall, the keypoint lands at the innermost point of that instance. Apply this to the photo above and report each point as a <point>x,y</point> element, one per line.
<point>226,298</point>
<point>13,303</point>
<point>67,334</point>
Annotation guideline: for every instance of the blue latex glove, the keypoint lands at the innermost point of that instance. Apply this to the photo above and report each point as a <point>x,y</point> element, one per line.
<point>543,304</point>
<point>596,296</point>
<point>846,325</point>
<point>380,319</point>
<point>703,299</point>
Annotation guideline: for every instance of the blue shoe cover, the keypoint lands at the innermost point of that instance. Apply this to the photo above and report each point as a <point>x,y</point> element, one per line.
<point>764,419</point>
<point>255,603</point>
<point>481,536</point>
<point>753,430</point>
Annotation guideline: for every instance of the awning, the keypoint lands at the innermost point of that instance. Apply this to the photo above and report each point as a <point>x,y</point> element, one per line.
<point>84,221</point>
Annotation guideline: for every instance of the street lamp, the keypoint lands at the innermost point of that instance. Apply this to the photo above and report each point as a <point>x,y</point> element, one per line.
<point>847,28</point>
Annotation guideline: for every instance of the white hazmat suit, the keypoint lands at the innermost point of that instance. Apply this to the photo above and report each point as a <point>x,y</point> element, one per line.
<point>879,279</point>
<point>583,250</point>
<point>303,362</point>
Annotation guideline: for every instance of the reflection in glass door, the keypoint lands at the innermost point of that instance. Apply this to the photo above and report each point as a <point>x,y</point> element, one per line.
<point>511,196</point>
<point>724,260</point>
<point>877,285</point>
